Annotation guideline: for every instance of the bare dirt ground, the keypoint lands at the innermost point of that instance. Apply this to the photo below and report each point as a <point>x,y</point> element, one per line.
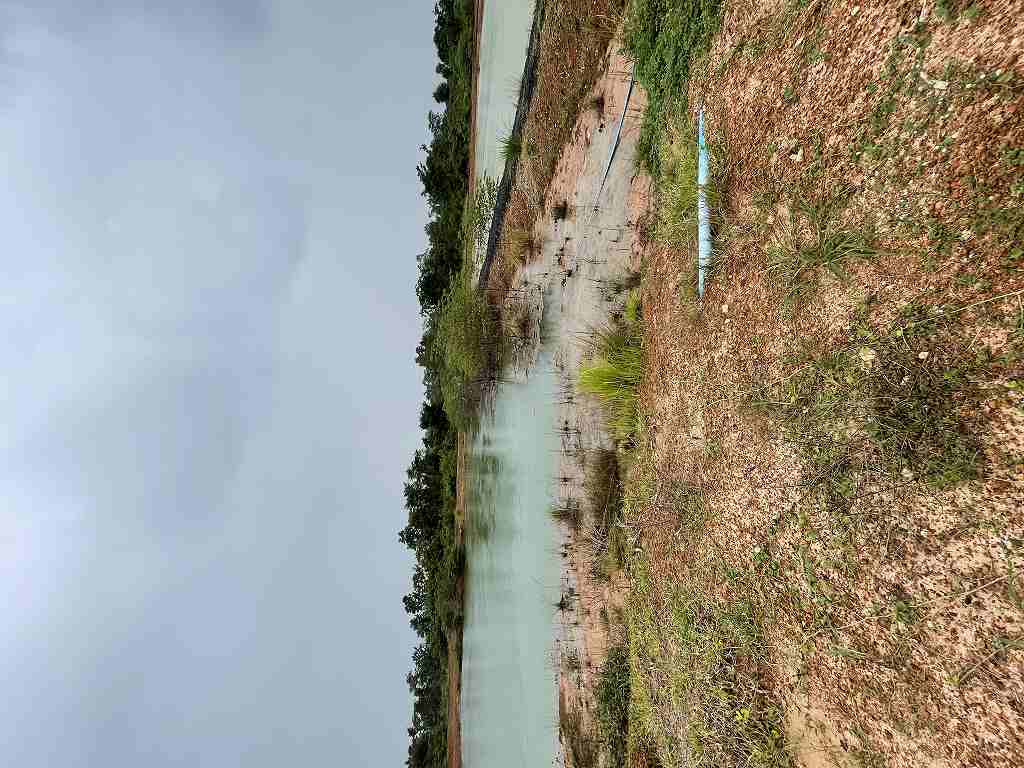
<point>865,554</point>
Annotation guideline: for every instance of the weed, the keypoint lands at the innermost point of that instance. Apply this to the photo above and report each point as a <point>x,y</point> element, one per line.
<point>524,245</point>
<point>950,11</point>
<point>798,265</point>
<point>581,744</point>
<point>886,403</point>
<point>604,488</point>
<point>567,513</point>
<point>510,146</point>
<point>613,700</point>
<point>699,673</point>
<point>632,311</point>
<point>677,189</point>
<point>814,243</point>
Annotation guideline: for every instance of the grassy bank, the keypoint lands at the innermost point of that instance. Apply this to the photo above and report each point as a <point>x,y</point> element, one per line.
<point>821,510</point>
<point>822,566</point>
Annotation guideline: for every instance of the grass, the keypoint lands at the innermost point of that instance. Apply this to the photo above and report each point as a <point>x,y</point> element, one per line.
<point>567,513</point>
<point>604,488</point>
<point>731,721</point>
<point>613,700</point>
<point>613,374</point>
<point>814,243</point>
<point>677,185</point>
<point>613,377</point>
<point>698,657</point>
<point>510,145</point>
<point>523,244</point>
<point>579,741</point>
<point>894,402</point>
<point>663,37</point>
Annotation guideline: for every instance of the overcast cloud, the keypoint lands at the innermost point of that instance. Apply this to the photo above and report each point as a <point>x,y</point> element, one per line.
<point>207,329</point>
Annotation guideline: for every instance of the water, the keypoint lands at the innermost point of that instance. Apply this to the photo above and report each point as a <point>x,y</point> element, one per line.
<point>508,683</point>
<point>505,36</point>
<point>509,704</point>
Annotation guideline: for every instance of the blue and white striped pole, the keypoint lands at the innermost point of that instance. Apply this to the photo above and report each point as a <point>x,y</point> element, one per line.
<point>703,215</point>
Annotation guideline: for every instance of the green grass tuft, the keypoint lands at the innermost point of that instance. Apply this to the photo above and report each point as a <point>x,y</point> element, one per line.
<point>510,146</point>
<point>613,375</point>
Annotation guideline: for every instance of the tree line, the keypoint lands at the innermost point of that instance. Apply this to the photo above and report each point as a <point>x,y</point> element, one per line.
<point>433,605</point>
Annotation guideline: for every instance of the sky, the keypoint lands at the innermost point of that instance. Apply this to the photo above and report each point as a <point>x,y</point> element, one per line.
<point>210,219</point>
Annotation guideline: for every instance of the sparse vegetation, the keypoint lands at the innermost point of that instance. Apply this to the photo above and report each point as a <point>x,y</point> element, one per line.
<point>812,552</point>
<point>613,699</point>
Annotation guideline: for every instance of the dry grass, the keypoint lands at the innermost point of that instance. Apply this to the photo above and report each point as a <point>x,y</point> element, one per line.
<point>827,511</point>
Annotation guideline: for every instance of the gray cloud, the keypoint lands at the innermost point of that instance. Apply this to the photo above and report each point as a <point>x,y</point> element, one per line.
<point>211,217</point>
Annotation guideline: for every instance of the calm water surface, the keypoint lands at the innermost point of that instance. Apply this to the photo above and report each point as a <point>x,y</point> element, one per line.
<point>505,35</point>
<point>508,688</point>
<point>508,676</point>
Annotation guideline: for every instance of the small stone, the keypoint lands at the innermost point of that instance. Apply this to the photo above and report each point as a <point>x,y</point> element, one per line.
<point>725,309</point>
<point>907,474</point>
<point>922,355</point>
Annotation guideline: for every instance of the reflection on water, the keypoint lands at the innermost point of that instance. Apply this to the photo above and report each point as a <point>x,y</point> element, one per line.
<point>505,35</point>
<point>512,570</point>
<point>508,682</point>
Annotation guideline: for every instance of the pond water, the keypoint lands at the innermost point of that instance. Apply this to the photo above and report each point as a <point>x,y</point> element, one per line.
<point>512,571</point>
<point>508,676</point>
<point>504,37</point>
